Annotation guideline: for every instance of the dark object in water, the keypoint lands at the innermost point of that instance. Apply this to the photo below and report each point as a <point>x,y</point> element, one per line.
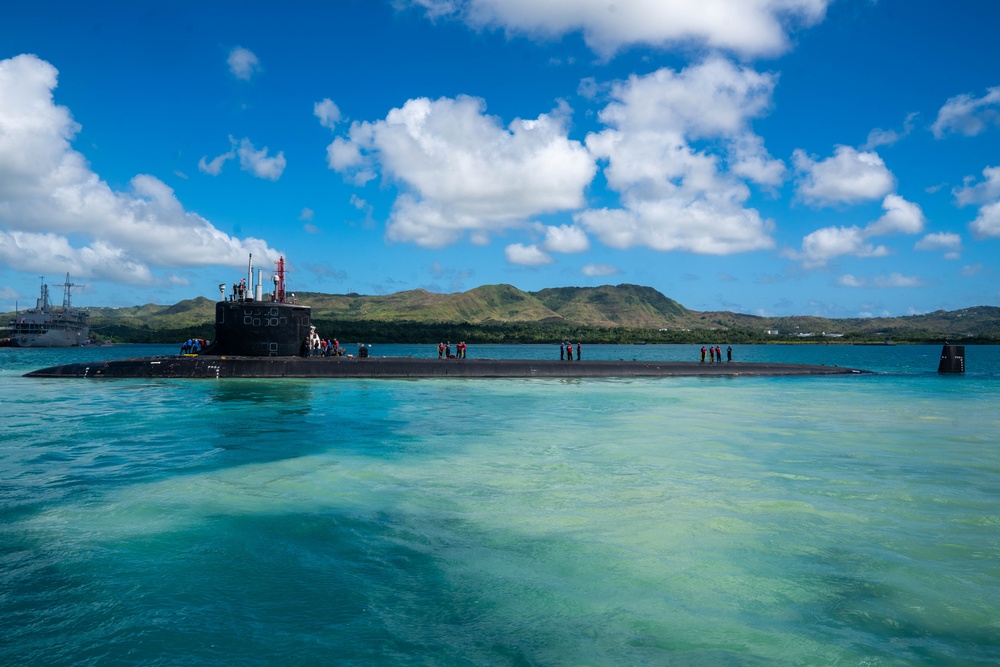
<point>952,359</point>
<point>258,337</point>
<point>211,366</point>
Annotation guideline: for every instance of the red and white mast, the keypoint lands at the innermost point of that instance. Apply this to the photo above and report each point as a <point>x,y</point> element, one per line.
<point>279,281</point>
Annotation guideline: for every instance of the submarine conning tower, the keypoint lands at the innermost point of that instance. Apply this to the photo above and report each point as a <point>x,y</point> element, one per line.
<point>952,359</point>
<point>248,324</point>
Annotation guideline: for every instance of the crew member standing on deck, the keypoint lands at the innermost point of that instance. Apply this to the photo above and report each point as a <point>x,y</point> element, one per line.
<point>702,354</point>
<point>569,351</point>
<point>729,353</point>
<point>579,349</point>
<point>562,351</point>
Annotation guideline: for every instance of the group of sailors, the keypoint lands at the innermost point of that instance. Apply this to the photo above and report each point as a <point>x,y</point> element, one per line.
<point>715,353</point>
<point>566,351</point>
<point>314,346</point>
<point>193,345</point>
<point>242,293</point>
<point>444,350</point>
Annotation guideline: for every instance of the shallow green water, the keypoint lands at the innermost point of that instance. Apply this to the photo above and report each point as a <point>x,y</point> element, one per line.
<point>679,521</point>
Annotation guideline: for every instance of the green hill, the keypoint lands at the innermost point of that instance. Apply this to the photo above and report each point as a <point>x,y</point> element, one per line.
<point>609,313</point>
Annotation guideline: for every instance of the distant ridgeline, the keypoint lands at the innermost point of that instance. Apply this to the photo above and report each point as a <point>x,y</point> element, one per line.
<point>504,314</point>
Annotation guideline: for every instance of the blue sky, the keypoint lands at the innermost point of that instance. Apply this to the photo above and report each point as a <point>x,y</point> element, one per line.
<point>774,157</point>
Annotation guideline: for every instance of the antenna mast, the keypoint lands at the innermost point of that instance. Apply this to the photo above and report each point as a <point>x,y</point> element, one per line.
<point>279,283</point>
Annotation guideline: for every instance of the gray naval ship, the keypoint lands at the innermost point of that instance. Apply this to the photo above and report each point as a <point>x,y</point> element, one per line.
<point>48,326</point>
<point>266,336</point>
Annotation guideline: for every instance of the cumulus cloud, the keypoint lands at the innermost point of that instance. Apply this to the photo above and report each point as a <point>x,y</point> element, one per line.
<point>946,241</point>
<point>983,192</point>
<point>901,217</point>
<point>526,255</point>
<point>258,163</point>
<point>55,211</point>
<point>879,137</point>
<point>824,244</point>
<point>565,238</point>
<point>327,112</point>
<point>849,280</point>
<point>819,247</point>
<point>987,223</point>
<point>596,270</point>
<point>898,280</point>
<point>746,27</point>
<point>460,171</point>
<point>674,196</point>
<point>214,166</point>
<point>987,193</point>
<point>968,115</point>
<point>243,63</point>
<point>849,176</point>
<point>252,160</point>
<point>881,281</point>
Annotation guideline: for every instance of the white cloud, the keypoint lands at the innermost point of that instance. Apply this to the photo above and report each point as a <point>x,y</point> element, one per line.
<point>898,280</point>
<point>214,167</point>
<point>987,223</point>
<point>243,63</point>
<point>939,241</point>
<point>824,244</point>
<point>901,217</point>
<point>55,211</point>
<point>461,171</point>
<point>986,191</point>
<point>847,177</point>
<point>523,255</point>
<point>258,163</point>
<point>848,280</point>
<point>968,115</point>
<point>751,160</point>
<point>565,238</point>
<point>879,137</point>
<point>327,112</point>
<point>819,247</point>
<point>251,160</point>
<point>676,197</point>
<point>596,270</point>
<point>891,280</point>
<point>746,27</point>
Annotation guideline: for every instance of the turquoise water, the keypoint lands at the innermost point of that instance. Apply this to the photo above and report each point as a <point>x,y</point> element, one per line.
<point>847,520</point>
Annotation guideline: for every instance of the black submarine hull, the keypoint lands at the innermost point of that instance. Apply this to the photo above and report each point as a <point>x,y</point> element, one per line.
<point>211,366</point>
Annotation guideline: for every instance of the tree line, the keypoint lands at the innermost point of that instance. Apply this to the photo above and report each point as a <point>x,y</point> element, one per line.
<point>370,331</point>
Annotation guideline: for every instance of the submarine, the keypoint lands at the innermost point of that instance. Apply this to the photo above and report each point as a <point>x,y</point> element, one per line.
<point>258,336</point>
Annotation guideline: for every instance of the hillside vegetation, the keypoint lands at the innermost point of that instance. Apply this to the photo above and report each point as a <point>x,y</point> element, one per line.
<point>503,313</point>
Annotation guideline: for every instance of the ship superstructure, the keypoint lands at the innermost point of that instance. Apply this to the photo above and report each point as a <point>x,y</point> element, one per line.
<point>49,326</point>
<point>249,323</point>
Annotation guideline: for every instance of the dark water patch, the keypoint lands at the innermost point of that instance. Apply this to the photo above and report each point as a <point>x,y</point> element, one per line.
<point>290,589</point>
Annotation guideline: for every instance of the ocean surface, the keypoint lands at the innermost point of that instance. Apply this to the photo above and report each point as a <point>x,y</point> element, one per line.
<point>836,520</point>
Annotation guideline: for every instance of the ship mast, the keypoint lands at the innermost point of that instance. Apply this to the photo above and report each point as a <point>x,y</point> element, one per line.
<point>279,281</point>
<point>67,287</point>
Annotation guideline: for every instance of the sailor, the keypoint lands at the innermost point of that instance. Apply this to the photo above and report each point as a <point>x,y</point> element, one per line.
<point>313,342</point>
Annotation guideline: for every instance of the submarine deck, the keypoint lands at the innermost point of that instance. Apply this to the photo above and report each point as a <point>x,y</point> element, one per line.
<point>209,366</point>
